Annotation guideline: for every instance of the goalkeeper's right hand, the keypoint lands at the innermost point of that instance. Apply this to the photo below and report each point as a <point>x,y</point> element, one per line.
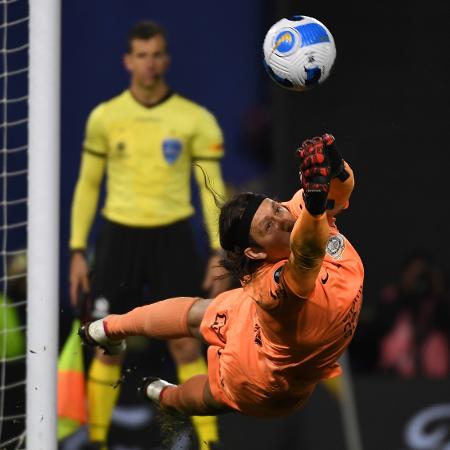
<point>94,335</point>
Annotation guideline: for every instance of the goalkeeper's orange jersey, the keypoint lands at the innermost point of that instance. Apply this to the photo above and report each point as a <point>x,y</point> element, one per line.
<point>268,346</point>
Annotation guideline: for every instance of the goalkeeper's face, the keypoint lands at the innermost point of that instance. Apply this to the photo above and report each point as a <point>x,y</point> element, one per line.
<point>147,61</point>
<point>271,228</point>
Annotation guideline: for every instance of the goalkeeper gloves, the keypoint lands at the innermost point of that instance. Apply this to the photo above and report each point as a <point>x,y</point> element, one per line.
<point>94,335</point>
<point>336,161</point>
<point>315,174</point>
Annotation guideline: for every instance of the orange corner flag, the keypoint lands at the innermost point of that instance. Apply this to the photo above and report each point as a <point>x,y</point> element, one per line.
<point>71,385</point>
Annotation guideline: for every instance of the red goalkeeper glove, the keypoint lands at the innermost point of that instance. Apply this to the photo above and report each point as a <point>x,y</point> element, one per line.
<point>336,160</point>
<point>315,174</point>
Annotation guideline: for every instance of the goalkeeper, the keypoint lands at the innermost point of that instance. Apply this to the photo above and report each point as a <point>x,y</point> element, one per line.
<point>147,140</point>
<point>272,340</point>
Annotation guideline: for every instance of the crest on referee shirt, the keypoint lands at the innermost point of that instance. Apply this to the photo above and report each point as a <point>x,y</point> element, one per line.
<point>171,149</point>
<point>335,246</point>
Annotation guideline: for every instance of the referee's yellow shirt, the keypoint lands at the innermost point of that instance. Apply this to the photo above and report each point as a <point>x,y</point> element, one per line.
<point>148,153</point>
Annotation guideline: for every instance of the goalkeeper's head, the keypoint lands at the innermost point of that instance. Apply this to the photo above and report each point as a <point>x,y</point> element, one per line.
<point>254,229</point>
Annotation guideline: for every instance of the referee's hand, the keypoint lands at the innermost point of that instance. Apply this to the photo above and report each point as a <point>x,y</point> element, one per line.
<point>78,277</point>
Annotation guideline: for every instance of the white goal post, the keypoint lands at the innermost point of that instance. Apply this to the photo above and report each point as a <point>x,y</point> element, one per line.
<point>43,224</point>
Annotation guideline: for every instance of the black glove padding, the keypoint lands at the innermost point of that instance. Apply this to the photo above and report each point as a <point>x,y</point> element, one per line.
<point>314,174</point>
<point>336,161</point>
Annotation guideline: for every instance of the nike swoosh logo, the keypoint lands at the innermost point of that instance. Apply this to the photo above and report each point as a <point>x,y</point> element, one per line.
<point>325,279</point>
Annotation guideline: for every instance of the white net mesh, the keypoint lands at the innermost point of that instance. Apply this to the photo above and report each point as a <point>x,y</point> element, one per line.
<point>13,218</point>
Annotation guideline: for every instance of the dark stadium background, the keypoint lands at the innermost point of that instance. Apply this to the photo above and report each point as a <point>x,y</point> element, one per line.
<point>387,102</point>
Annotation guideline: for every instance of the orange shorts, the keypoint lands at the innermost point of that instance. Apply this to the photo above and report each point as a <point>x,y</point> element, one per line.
<point>214,329</point>
<point>240,375</point>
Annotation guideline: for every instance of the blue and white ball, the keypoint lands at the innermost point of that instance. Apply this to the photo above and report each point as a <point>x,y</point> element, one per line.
<point>299,52</point>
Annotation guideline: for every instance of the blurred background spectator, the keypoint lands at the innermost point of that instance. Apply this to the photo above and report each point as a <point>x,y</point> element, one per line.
<point>413,321</point>
<point>405,332</point>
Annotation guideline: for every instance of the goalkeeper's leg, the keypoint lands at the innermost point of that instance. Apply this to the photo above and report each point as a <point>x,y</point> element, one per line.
<point>164,320</point>
<point>174,318</point>
<point>169,319</point>
<point>193,397</point>
<point>186,353</point>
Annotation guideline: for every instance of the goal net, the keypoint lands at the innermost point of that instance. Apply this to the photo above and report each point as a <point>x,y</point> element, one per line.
<point>13,217</point>
<point>29,171</point>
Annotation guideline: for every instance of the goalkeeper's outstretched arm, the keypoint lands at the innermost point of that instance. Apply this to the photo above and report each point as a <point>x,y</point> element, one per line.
<point>310,233</point>
<point>327,182</point>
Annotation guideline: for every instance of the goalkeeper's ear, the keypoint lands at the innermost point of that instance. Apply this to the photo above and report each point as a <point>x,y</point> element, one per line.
<point>253,253</point>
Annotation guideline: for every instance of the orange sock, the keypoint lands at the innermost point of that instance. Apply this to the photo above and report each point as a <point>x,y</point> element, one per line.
<point>188,397</point>
<point>161,320</point>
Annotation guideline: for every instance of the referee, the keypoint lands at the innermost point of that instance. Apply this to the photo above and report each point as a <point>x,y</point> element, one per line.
<point>147,140</point>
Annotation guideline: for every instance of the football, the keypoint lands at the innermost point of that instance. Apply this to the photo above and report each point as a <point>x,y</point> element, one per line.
<point>299,52</point>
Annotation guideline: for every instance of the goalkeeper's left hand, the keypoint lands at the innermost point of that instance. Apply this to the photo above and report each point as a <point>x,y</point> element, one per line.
<point>336,160</point>
<point>315,174</point>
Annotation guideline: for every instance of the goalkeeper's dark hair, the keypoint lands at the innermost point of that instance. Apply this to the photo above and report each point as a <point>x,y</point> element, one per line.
<point>146,29</point>
<point>231,212</point>
<point>236,261</point>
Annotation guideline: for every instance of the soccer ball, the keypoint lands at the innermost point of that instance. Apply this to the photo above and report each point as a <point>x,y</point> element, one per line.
<point>299,52</point>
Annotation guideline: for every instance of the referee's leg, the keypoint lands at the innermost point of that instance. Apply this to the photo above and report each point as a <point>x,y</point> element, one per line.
<point>179,272</point>
<point>112,283</point>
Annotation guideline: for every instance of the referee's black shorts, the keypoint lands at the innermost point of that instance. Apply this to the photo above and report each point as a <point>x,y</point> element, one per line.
<point>134,266</point>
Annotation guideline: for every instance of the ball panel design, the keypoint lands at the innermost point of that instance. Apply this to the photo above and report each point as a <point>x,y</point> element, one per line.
<point>299,52</point>
<point>284,82</point>
<point>312,33</point>
<point>285,42</point>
